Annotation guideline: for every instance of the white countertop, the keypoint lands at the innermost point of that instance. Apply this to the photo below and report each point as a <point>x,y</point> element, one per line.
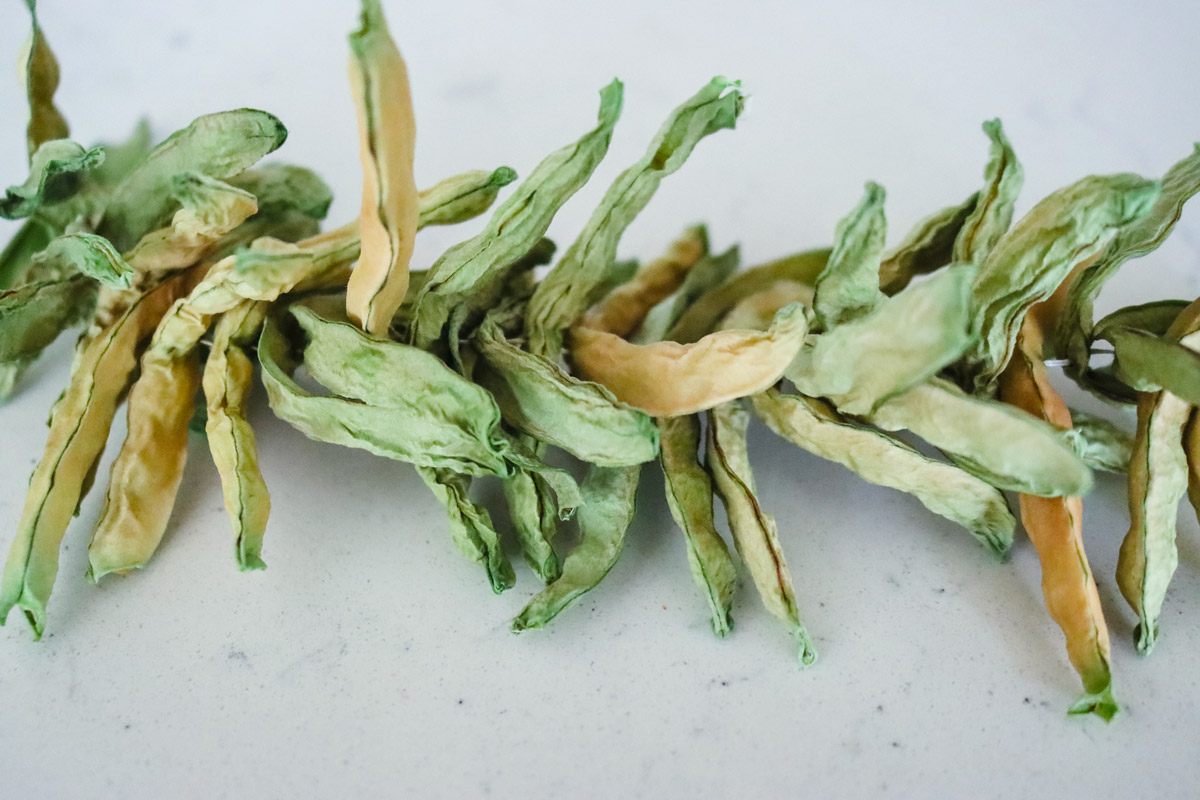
<point>371,659</point>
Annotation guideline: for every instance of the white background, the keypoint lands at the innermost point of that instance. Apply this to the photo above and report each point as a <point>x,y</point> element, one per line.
<point>370,658</point>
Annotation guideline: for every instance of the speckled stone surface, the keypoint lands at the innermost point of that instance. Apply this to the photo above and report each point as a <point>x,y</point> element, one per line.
<point>371,660</point>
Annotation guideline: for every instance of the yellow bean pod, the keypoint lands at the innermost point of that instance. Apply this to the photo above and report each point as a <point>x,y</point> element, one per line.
<point>78,431</point>
<point>228,379</point>
<point>1055,526</point>
<point>387,137</point>
<point>211,209</point>
<point>145,476</point>
<point>668,379</point>
<point>39,73</point>
<point>623,309</point>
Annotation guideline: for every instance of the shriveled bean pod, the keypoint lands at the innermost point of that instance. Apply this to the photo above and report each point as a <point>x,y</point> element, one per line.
<point>927,247</point>
<point>39,74</point>
<point>211,209</point>
<point>537,397</point>
<point>690,498</point>
<point>848,287</point>
<point>708,273</point>
<point>899,343</point>
<point>217,145</point>
<point>535,517</point>
<point>78,431</point>
<point>565,293</point>
<point>667,378</point>
<point>754,532</point>
<point>993,213</point>
<point>1100,443</point>
<point>228,378</point>
<point>1158,478</point>
<point>608,505</point>
<point>146,474</point>
<point>1031,260</point>
<point>706,312</point>
<point>387,134</point>
<point>1075,325</point>
<point>670,379</point>
<point>473,267</point>
<point>624,308</point>
<point>964,233</point>
<point>1004,446</point>
<point>877,458</point>
<point>471,526</point>
<point>1055,526</point>
<point>462,197</point>
<point>54,176</point>
<point>32,316</point>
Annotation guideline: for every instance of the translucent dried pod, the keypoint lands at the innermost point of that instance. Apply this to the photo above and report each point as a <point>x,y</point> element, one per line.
<point>757,311</point>
<point>993,212</point>
<point>927,247</point>
<point>32,317</point>
<point>1147,363</point>
<point>709,272</point>
<point>538,398</point>
<point>624,308</point>
<point>896,344</point>
<point>86,254</point>
<point>471,526</point>
<point>963,233</point>
<point>535,517</point>
<point>1003,445</point>
<point>703,315</point>
<point>463,196</point>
